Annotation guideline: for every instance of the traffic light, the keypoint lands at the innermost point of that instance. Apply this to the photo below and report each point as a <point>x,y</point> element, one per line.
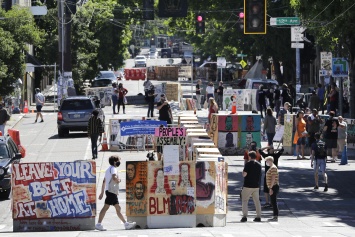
<point>148,9</point>
<point>254,16</point>
<point>240,23</point>
<point>200,23</point>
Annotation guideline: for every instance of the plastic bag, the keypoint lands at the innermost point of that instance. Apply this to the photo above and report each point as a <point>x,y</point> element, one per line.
<point>205,105</point>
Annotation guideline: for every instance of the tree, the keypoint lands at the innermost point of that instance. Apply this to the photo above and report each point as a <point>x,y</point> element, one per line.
<point>17,31</point>
<point>331,23</point>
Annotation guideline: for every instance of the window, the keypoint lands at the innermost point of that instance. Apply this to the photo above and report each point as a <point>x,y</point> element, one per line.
<point>4,153</point>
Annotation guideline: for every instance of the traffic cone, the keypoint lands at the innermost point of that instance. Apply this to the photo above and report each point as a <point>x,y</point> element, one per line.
<point>25,109</point>
<point>0,134</point>
<point>104,143</point>
<point>344,157</point>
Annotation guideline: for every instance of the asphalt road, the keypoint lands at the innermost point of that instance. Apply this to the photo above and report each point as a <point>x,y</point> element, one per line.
<point>303,211</point>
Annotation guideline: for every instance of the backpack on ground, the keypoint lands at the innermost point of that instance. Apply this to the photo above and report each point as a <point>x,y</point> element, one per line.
<point>321,152</point>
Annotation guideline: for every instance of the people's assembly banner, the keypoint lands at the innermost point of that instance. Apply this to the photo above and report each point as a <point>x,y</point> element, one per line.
<point>54,196</point>
<point>142,127</point>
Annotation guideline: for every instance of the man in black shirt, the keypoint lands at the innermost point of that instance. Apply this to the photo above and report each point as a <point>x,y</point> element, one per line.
<point>150,99</point>
<point>330,131</point>
<point>252,176</point>
<point>164,110</point>
<point>198,94</point>
<point>220,95</point>
<point>262,100</point>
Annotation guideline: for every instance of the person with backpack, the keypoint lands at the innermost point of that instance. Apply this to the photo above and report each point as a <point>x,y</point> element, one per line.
<point>319,161</point>
<point>4,117</point>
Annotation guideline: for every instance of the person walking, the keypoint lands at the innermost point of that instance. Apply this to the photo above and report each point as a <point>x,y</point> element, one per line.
<point>198,94</point>
<point>165,113</point>
<point>286,96</point>
<point>272,181</point>
<point>220,94</point>
<point>111,176</point>
<point>95,130</point>
<point>39,97</point>
<point>301,133</point>
<point>209,91</point>
<point>292,93</point>
<point>122,92</point>
<point>342,135</point>
<point>313,126</point>
<point>151,99</point>
<point>147,84</point>
<point>320,94</point>
<point>319,155</point>
<point>212,109</point>
<point>283,111</point>
<point>252,177</point>
<point>262,100</point>
<point>277,99</point>
<point>114,98</point>
<point>314,102</point>
<point>330,131</point>
<point>271,97</point>
<point>269,126</point>
<point>333,98</point>
<point>4,117</point>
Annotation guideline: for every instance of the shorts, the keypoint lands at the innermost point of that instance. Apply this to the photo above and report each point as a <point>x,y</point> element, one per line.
<point>319,164</point>
<point>301,141</point>
<point>341,143</point>
<point>331,143</point>
<point>111,198</point>
<point>39,108</point>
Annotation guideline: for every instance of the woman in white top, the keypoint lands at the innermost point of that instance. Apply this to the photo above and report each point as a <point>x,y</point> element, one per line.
<point>209,91</point>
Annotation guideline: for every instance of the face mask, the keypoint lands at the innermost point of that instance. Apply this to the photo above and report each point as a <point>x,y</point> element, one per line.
<point>268,164</point>
<point>163,99</point>
<point>118,163</point>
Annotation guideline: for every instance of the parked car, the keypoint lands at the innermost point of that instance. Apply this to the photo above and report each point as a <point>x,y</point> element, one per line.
<point>9,154</point>
<point>101,83</point>
<point>254,83</point>
<point>106,75</point>
<point>153,55</point>
<point>140,61</point>
<point>75,112</point>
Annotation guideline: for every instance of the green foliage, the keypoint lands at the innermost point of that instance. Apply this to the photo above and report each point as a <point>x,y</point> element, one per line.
<point>17,30</point>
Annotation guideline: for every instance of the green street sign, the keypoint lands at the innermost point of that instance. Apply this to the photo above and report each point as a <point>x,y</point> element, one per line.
<point>241,55</point>
<point>282,21</point>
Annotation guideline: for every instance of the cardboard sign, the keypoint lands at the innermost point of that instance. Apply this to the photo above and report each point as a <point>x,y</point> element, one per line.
<point>170,132</point>
<point>160,141</point>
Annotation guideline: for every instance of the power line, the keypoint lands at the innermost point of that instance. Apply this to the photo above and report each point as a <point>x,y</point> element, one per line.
<point>322,10</point>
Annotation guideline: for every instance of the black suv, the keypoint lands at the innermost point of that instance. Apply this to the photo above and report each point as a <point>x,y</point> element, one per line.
<point>75,112</point>
<point>9,154</point>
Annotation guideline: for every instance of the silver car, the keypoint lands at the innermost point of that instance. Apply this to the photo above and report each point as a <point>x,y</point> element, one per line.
<point>75,112</point>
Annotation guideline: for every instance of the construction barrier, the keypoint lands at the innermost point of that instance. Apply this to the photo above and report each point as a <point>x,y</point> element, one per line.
<point>15,135</point>
<point>25,109</point>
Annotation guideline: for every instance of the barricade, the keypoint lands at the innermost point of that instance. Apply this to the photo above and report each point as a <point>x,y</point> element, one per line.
<point>15,135</point>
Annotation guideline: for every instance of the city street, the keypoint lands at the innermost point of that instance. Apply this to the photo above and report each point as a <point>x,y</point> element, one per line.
<point>303,211</point>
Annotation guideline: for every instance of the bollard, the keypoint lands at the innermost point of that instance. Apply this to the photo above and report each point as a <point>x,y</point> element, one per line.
<point>344,157</point>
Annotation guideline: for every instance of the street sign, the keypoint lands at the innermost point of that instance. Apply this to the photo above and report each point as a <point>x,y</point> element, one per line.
<point>243,63</point>
<point>297,33</point>
<point>282,21</point>
<point>221,62</point>
<point>340,67</point>
<point>241,55</point>
<point>297,45</point>
<point>325,64</point>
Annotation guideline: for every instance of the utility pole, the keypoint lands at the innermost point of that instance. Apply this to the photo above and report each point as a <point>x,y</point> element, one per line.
<point>65,85</point>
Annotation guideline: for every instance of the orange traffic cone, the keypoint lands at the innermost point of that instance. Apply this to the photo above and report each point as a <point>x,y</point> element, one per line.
<point>104,143</point>
<point>25,109</point>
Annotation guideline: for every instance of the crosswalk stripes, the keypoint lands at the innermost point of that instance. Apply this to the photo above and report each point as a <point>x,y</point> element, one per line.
<point>227,235</point>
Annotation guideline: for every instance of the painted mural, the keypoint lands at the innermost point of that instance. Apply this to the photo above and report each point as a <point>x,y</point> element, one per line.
<point>221,188</point>
<point>103,93</point>
<point>250,123</point>
<point>245,138</point>
<point>228,123</point>
<point>53,190</point>
<point>288,131</point>
<point>205,187</point>
<point>171,194</point>
<point>136,188</point>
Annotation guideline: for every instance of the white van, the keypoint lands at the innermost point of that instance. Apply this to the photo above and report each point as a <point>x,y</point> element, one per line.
<point>253,83</point>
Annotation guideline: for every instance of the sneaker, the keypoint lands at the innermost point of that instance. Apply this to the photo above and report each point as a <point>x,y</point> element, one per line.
<point>99,226</point>
<point>257,219</point>
<point>274,219</point>
<point>326,188</point>
<point>315,187</point>
<point>244,219</point>
<point>129,225</point>
<point>267,205</point>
